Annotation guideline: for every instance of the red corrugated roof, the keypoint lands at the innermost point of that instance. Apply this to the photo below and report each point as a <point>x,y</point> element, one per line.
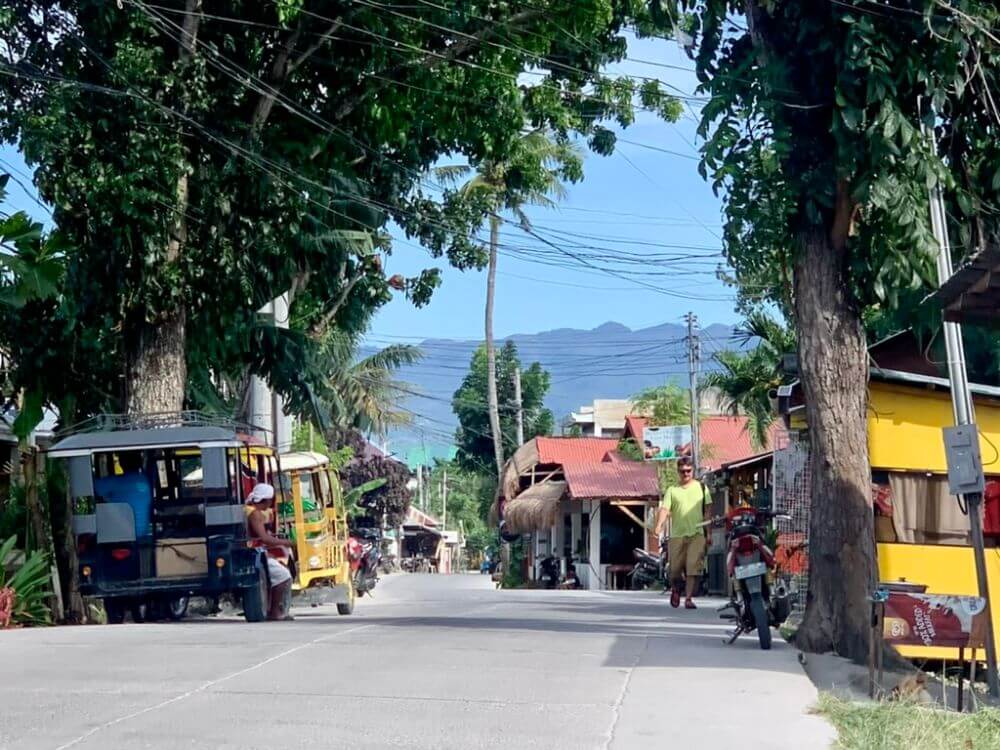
<point>634,425</point>
<point>726,439</point>
<point>627,479</point>
<point>570,450</point>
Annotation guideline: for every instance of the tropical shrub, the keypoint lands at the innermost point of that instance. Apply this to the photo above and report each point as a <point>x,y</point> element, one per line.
<point>24,593</point>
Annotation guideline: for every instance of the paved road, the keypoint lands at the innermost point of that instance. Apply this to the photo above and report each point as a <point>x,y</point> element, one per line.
<point>432,662</point>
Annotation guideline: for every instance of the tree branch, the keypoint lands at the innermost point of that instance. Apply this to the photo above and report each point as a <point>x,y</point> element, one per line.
<point>279,73</point>
<point>314,47</point>
<point>457,50</point>
<point>318,330</point>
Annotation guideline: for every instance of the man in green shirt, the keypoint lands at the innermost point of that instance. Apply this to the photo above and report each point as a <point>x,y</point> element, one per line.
<point>686,505</point>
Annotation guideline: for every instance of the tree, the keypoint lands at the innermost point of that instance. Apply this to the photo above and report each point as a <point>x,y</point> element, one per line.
<point>215,160</point>
<point>748,377</point>
<point>389,501</point>
<point>532,174</point>
<point>474,436</point>
<point>664,404</point>
<point>470,494</point>
<point>815,133</point>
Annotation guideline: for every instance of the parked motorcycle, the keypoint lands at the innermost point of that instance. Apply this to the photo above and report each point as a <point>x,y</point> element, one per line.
<point>548,572</point>
<point>364,553</point>
<point>650,568</point>
<point>755,603</point>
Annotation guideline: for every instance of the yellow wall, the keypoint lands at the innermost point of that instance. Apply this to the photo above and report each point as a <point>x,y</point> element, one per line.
<point>945,570</point>
<point>904,428</point>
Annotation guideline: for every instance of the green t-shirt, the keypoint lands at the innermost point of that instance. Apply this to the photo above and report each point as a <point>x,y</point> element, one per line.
<point>686,508</point>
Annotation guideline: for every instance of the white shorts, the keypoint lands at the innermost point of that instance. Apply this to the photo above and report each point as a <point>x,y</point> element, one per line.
<point>277,572</point>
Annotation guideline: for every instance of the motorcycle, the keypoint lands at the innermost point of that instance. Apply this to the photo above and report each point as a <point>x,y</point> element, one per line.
<point>548,572</point>
<point>364,554</point>
<point>650,568</point>
<point>755,604</point>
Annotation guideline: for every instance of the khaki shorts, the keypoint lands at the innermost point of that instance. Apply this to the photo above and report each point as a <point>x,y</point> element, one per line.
<point>686,554</point>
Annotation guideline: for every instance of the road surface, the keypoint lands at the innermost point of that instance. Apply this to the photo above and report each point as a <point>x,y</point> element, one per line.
<point>432,662</point>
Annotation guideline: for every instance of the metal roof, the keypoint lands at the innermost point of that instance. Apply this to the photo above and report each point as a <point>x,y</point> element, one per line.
<point>972,294</point>
<point>573,450</point>
<point>161,437</point>
<point>912,378</point>
<point>612,480</point>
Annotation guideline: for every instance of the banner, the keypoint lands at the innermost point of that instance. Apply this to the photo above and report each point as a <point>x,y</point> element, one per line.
<point>935,620</point>
<point>666,443</point>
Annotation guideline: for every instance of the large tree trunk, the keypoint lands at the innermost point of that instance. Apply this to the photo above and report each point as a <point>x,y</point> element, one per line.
<point>157,371</point>
<point>491,359</point>
<point>833,364</point>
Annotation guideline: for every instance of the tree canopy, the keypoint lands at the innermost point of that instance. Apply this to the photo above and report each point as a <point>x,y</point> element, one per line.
<point>473,437</point>
<point>215,155</point>
<point>826,126</point>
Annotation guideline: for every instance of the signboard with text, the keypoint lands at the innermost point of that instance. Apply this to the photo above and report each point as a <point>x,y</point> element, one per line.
<point>935,620</point>
<point>666,443</point>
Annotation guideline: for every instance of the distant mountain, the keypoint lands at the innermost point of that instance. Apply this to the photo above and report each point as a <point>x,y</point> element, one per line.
<point>610,361</point>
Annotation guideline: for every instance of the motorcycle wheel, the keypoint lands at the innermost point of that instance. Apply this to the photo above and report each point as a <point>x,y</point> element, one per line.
<point>177,607</point>
<point>637,584</point>
<point>759,612</point>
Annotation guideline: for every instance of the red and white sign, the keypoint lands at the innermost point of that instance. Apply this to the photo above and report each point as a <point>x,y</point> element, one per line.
<point>935,620</point>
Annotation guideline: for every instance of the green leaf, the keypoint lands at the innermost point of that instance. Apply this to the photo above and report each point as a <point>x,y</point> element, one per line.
<point>30,414</point>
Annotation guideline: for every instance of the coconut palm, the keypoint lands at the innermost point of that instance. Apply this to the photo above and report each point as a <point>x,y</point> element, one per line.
<point>362,392</point>
<point>747,378</point>
<point>531,174</point>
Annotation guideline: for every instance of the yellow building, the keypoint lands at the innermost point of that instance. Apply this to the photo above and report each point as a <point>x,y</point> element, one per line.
<point>922,534</point>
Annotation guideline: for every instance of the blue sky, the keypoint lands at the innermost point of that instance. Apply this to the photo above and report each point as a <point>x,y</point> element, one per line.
<point>637,195</point>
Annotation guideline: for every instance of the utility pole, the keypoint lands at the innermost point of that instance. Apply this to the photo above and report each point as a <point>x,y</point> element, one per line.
<point>694,354</point>
<point>962,408</point>
<point>444,500</point>
<point>518,405</point>
<point>420,486</point>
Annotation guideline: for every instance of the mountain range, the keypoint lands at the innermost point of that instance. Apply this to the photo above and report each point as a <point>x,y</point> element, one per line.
<point>610,361</point>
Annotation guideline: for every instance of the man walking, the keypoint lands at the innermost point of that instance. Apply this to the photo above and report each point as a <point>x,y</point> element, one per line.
<point>686,504</point>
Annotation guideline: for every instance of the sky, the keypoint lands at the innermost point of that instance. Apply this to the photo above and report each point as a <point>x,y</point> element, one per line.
<point>637,195</point>
<point>638,200</point>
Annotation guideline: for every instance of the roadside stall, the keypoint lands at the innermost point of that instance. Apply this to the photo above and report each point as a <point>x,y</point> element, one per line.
<point>922,534</point>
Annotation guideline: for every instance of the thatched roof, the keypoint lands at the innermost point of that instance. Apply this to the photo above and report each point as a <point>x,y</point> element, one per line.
<point>535,508</point>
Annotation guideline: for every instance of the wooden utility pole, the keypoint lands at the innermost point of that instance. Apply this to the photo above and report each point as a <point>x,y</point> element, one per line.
<point>518,405</point>
<point>694,354</point>
<point>444,500</point>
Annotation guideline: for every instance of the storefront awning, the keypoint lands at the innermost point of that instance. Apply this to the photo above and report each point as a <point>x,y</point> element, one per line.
<point>535,508</point>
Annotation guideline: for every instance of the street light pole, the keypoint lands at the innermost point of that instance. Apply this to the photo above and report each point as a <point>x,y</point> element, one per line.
<point>963,410</point>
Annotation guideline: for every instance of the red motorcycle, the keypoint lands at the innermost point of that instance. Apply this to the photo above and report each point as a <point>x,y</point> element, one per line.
<point>749,561</point>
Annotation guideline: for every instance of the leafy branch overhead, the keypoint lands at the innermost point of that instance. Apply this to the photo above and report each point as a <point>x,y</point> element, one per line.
<point>218,160</point>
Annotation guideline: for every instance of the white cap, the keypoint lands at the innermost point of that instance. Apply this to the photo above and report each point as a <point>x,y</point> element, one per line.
<point>261,493</point>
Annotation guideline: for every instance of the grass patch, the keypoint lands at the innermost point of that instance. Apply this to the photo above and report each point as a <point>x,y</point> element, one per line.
<point>891,726</point>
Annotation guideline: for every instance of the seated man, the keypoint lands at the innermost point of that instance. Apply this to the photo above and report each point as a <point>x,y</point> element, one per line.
<point>259,510</point>
<point>131,487</point>
<point>571,580</point>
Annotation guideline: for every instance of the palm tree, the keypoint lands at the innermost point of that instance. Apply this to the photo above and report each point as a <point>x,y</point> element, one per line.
<point>363,393</point>
<point>532,174</point>
<point>748,378</point>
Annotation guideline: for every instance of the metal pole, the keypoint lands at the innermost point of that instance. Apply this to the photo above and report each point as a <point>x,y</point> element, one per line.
<point>518,407</point>
<point>962,407</point>
<point>444,500</point>
<point>693,353</point>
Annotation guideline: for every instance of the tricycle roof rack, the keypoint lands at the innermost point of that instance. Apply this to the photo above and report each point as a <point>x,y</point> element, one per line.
<point>113,432</point>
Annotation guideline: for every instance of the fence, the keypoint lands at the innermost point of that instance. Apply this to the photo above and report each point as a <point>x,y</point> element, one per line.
<point>792,496</point>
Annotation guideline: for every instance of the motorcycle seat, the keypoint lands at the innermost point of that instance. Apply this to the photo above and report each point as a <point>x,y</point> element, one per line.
<point>641,554</point>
